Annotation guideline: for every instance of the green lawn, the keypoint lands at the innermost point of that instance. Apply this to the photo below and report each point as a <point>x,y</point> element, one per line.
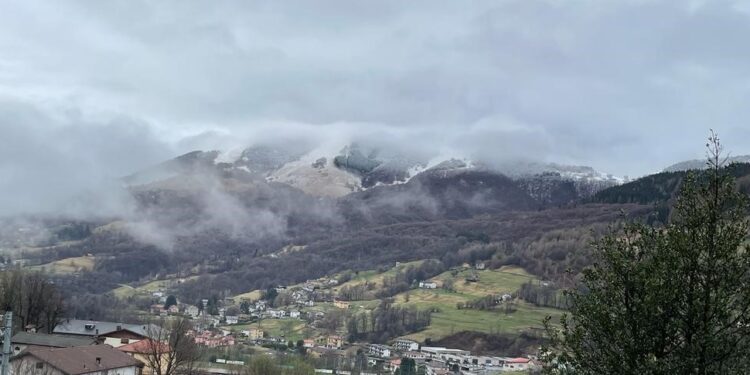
<point>499,281</point>
<point>449,319</point>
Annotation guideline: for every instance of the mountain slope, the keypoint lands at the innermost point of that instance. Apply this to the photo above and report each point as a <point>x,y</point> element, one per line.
<point>356,168</point>
<point>701,164</point>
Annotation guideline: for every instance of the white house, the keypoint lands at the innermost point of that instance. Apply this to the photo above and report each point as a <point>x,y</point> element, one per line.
<point>404,345</point>
<point>517,364</point>
<point>428,285</point>
<point>232,319</point>
<point>377,350</point>
<point>436,352</point>
<point>294,314</point>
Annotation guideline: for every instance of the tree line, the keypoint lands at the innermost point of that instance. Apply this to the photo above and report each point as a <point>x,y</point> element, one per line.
<point>386,321</point>
<point>35,301</point>
<point>541,295</point>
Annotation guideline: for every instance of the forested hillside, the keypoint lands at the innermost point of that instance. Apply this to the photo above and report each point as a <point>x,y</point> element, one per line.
<point>228,232</point>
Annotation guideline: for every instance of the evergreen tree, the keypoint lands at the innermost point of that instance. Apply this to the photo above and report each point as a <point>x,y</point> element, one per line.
<point>270,294</point>
<point>408,367</point>
<point>171,301</point>
<point>666,300</point>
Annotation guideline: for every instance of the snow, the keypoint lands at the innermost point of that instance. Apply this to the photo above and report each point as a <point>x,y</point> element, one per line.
<point>327,181</point>
<point>229,156</point>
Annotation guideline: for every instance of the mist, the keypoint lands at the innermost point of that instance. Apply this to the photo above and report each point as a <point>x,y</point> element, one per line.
<point>88,95</point>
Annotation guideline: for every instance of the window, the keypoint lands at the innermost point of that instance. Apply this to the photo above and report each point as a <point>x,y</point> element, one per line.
<point>124,341</point>
<point>40,365</point>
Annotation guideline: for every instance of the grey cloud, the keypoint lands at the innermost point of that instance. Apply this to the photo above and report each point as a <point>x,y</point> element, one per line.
<point>67,164</point>
<point>627,87</point>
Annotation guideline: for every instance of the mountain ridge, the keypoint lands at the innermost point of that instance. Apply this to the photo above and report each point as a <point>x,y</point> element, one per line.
<point>355,169</point>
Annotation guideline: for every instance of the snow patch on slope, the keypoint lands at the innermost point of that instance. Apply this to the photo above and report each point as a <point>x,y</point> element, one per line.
<point>317,176</point>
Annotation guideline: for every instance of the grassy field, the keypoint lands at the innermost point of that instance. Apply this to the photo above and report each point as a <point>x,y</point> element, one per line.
<point>68,265</point>
<point>124,290</point>
<point>449,319</point>
<point>252,295</point>
<point>375,277</point>
<point>499,281</point>
<point>371,276</point>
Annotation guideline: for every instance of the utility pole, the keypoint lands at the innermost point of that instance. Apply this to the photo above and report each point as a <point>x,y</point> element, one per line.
<point>7,333</point>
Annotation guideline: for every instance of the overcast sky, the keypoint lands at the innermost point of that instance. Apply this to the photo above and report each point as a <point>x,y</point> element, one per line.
<point>97,89</point>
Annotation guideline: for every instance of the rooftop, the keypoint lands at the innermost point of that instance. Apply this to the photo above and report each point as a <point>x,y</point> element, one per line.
<point>145,346</point>
<point>83,359</point>
<point>55,341</point>
<point>95,328</point>
<point>518,360</point>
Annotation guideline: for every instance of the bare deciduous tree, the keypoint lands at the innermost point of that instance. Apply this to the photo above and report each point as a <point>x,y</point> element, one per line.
<point>35,301</point>
<point>171,350</point>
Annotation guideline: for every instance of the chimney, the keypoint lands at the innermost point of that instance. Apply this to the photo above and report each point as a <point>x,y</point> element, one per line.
<point>119,327</point>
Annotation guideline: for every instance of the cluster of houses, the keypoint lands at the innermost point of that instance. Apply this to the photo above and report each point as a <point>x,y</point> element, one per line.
<point>442,361</point>
<point>210,331</point>
<point>213,340</point>
<point>79,347</point>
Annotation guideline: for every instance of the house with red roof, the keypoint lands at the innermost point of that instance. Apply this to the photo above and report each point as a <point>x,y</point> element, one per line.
<point>517,364</point>
<point>146,352</point>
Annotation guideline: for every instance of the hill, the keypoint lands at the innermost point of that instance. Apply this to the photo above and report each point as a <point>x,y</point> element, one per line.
<point>451,302</point>
<point>701,164</point>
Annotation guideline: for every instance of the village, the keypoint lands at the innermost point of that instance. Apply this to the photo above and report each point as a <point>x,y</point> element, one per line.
<point>110,345</point>
<point>302,320</point>
<point>298,323</point>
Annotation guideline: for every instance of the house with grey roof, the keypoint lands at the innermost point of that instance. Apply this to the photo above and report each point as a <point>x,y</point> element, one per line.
<point>80,360</point>
<point>22,340</point>
<point>78,327</point>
